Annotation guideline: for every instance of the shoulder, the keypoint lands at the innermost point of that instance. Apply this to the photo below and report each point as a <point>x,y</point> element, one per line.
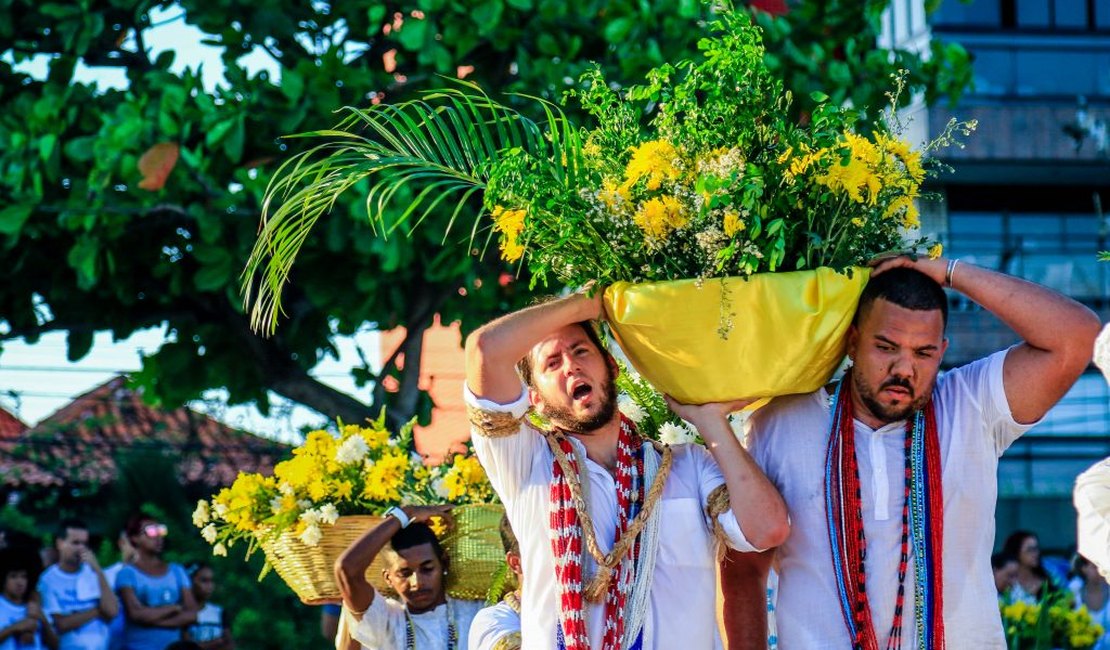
<point>51,575</point>
<point>467,609</point>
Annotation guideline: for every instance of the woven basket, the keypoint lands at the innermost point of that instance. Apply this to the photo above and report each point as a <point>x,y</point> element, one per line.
<point>473,544</point>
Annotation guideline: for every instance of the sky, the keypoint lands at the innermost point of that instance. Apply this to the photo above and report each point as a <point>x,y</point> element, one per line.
<point>36,380</point>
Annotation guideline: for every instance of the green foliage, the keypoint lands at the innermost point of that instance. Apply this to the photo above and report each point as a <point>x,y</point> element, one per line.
<point>86,248</point>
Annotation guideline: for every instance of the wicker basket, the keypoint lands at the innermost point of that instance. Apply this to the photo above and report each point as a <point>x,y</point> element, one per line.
<point>473,544</point>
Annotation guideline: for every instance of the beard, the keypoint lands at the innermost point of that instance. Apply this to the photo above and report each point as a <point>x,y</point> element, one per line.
<point>564,419</point>
<point>890,414</point>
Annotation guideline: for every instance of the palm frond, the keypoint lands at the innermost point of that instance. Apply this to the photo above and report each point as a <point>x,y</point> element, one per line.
<point>436,151</point>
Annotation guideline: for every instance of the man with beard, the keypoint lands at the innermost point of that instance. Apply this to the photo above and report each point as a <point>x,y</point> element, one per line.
<point>890,477</point>
<point>617,535</point>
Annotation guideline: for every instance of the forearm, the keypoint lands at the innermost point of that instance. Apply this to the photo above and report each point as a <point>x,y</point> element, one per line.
<point>70,622</point>
<point>350,568</point>
<point>493,350</point>
<point>744,598</point>
<point>180,619</point>
<point>753,499</point>
<point>152,615</point>
<point>1043,318</point>
<point>109,605</point>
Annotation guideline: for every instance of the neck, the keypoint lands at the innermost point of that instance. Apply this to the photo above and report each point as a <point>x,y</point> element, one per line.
<point>439,601</point>
<point>863,414</point>
<point>13,598</point>
<point>601,444</point>
<point>70,567</point>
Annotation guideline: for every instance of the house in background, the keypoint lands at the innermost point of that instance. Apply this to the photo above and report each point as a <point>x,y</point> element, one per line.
<point>80,446</point>
<point>1028,196</point>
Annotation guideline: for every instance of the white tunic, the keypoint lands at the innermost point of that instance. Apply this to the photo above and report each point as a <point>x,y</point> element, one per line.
<point>493,624</point>
<point>383,625</point>
<point>789,438</point>
<point>682,602</point>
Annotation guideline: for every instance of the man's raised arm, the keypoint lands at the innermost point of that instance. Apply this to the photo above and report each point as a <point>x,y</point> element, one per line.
<point>493,350</point>
<point>1058,332</point>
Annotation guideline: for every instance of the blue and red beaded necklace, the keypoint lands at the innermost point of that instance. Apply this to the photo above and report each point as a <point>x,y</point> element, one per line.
<point>922,528</point>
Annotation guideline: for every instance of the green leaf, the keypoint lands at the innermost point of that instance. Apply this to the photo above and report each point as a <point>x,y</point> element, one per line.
<point>46,145</point>
<point>217,132</point>
<point>82,259</point>
<point>78,344</point>
<point>412,34</point>
<point>487,16</point>
<point>818,96</point>
<point>619,29</point>
<point>13,217</point>
<point>523,5</point>
<point>233,144</point>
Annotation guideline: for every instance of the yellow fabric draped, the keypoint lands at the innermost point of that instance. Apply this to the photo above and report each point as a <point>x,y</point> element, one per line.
<point>787,332</point>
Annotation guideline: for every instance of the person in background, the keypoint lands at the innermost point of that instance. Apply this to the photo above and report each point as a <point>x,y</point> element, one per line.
<point>1091,591</point>
<point>157,596</point>
<point>1032,581</point>
<point>127,555</point>
<point>75,593</point>
<point>23,626</point>
<point>498,627</point>
<point>425,617</point>
<point>1005,569</point>
<point>211,631</point>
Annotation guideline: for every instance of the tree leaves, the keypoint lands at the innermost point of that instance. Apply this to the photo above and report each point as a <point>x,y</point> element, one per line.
<point>156,164</point>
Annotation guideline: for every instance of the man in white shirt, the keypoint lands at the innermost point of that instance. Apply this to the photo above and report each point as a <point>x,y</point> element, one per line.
<point>617,536</point>
<point>425,617</point>
<point>75,592</point>
<point>498,627</point>
<point>890,479</point>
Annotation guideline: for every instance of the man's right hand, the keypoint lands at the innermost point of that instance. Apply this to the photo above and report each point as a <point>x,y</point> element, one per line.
<point>89,558</point>
<point>26,626</point>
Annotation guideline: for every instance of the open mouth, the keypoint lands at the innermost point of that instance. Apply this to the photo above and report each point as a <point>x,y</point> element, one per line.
<point>581,391</point>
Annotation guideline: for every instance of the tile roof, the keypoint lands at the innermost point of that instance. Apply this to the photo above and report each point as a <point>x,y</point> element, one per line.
<point>10,425</point>
<point>79,443</point>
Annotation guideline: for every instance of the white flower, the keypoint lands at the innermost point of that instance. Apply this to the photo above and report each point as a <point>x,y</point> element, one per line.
<point>310,517</point>
<point>220,510</point>
<point>311,535</point>
<point>392,442</point>
<point>201,515</point>
<point>353,450</point>
<point>673,434</point>
<point>440,487</point>
<point>328,513</point>
<point>275,505</point>
<point>286,489</point>
<point>631,409</point>
<point>219,550</point>
<point>209,533</point>
<point>304,504</point>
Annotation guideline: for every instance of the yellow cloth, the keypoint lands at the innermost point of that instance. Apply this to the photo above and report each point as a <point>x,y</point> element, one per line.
<point>787,332</point>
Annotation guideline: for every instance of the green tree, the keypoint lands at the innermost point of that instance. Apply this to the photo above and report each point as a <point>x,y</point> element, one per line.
<point>122,209</point>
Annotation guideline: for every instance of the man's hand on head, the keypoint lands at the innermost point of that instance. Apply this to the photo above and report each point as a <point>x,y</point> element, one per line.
<point>934,268</point>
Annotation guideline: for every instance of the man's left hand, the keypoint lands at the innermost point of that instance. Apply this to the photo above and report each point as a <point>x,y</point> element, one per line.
<point>700,414</point>
<point>934,268</point>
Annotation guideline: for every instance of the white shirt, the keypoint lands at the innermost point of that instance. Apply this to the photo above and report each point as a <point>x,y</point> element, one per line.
<point>68,593</point>
<point>682,603</point>
<point>492,624</point>
<point>1092,502</point>
<point>789,438</point>
<point>383,625</point>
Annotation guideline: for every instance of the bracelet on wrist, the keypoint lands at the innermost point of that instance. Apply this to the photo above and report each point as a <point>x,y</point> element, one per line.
<point>949,271</point>
<point>399,514</point>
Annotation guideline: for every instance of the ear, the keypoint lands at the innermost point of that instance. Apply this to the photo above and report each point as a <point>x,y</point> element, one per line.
<point>944,347</point>
<point>534,400</point>
<point>513,560</point>
<point>853,341</point>
<point>614,367</point>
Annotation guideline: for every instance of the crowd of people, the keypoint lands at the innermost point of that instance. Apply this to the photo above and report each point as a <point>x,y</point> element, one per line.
<point>59,598</point>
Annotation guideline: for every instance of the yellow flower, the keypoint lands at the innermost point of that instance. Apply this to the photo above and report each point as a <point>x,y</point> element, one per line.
<point>652,160</point>
<point>465,473</point>
<point>343,490</point>
<point>733,223</point>
<point>385,478</point>
<point>297,471</point>
<point>858,222</point>
<point>658,217</point>
<point>510,223</point>
<point>935,251</point>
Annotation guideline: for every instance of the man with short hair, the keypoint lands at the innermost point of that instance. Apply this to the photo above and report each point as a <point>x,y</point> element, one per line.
<point>498,627</point>
<point>617,535</point>
<point>75,592</point>
<point>891,477</point>
<point>425,617</point>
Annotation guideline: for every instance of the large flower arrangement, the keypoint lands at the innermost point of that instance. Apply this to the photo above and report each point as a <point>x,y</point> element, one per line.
<point>719,183</point>
<point>1051,624</point>
<point>362,470</point>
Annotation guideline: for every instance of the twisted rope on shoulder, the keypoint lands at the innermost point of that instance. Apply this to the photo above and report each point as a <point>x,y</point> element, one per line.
<point>493,424</point>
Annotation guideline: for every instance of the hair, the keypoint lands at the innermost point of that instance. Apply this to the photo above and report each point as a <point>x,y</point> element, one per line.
<point>524,366</point>
<point>1077,563</point>
<point>1012,546</point>
<point>416,534</point>
<point>65,525</point>
<point>194,567</point>
<point>999,560</point>
<point>184,645</point>
<point>17,559</point>
<point>135,523</point>
<point>508,538</point>
<point>907,288</point>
